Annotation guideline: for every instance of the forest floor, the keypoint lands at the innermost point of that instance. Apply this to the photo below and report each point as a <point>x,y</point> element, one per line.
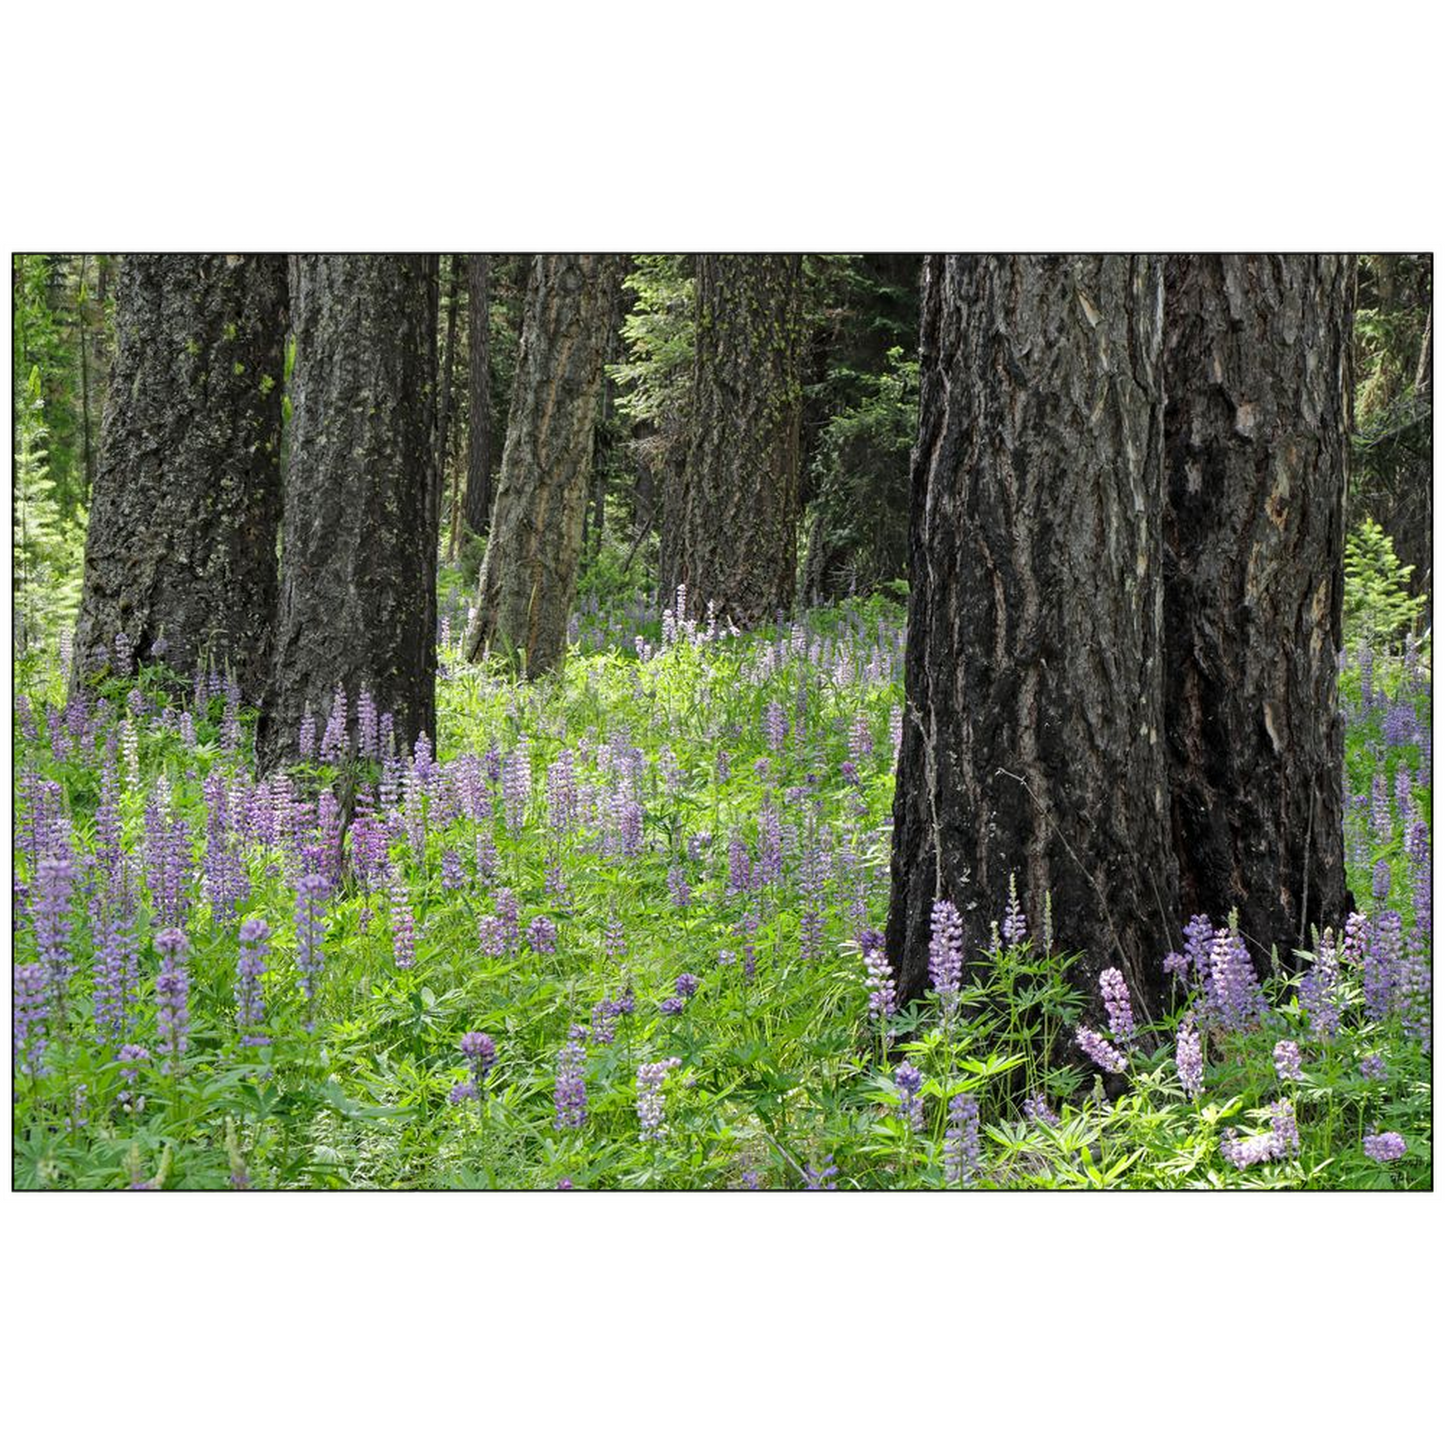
<point>613,936</point>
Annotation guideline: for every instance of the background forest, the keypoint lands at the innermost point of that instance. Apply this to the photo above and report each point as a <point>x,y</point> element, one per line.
<point>515,806</point>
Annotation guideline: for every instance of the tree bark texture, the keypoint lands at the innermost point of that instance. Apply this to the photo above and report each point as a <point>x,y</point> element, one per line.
<point>448,368</point>
<point>358,589</point>
<point>737,544</point>
<point>535,538</point>
<point>479,381</point>
<point>187,496</point>
<point>1033,733</point>
<point>1257,374</point>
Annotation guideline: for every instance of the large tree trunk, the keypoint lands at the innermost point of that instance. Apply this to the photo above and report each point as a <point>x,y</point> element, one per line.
<point>187,497</point>
<point>1256,364</point>
<point>479,411</point>
<point>530,571</point>
<point>737,544</point>
<point>1033,740</point>
<point>358,591</point>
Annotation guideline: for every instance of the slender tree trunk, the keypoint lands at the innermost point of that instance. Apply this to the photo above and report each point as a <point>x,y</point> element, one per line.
<point>1033,736</point>
<point>737,543</point>
<point>82,309</point>
<point>1257,373</point>
<point>479,380</point>
<point>530,571</point>
<point>358,589</point>
<point>448,366</point>
<point>181,544</point>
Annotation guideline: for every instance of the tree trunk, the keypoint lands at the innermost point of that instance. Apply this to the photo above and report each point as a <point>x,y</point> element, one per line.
<point>358,589</point>
<point>479,413</point>
<point>1033,739</point>
<point>737,544</point>
<point>187,497</point>
<point>448,366</point>
<point>1257,374</point>
<point>527,581</point>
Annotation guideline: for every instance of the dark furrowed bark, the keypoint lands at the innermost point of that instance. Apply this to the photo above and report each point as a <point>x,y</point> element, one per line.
<point>358,593</point>
<point>181,543</point>
<point>1033,733</point>
<point>735,542</point>
<point>534,541</point>
<point>1257,376</point>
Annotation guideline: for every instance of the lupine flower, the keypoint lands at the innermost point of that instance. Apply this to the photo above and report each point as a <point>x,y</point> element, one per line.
<point>54,884</point>
<point>1287,1061</point>
<point>454,876</point>
<point>311,895</point>
<point>250,970</point>
<point>686,984</point>
<point>1189,1059</point>
<point>1036,1107</point>
<point>1115,994</point>
<point>672,1006</point>
<point>1317,990</point>
<point>481,1054</point>
<point>1372,1066</point>
<point>909,1080</point>
<point>882,998</point>
<point>131,1057</point>
<point>945,956</point>
<point>1244,1152</point>
<point>491,935</point>
<point>1177,967</point>
<point>30,1012</point>
<point>461,1092</point>
<point>1384,1148</point>
<point>542,934</point>
<point>1380,973</point>
<point>775,726</point>
<point>1380,883</point>
<point>960,1140</point>
<point>569,1093</point>
<point>1232,988</point>
<point>1103,1053</point>
<point>173,989</point>
<point>677,886</point>
<point>1015,926</point>
<point>1198,940</point>
<point>820,1178</point>
<point>1283,1127</point>
<point>650,1104</point>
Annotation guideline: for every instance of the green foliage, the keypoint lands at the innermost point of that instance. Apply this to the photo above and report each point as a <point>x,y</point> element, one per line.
<point>1379,609</point>
<point>777,1074</point>
<point>47,548</point>
<point>860,476</point>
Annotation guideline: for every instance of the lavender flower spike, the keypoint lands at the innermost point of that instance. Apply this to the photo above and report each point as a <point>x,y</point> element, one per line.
<point>1103,1053</point>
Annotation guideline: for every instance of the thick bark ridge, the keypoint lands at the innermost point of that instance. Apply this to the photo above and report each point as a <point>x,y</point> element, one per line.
<point>1257,373</point>
<point>358,588</point>
<point>1033,732</point>
<point>525,593</point>
<point>187,497</point>
<point>736,542</point>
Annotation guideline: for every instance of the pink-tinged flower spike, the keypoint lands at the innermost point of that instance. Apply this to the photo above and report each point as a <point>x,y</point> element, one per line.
<point>650,1104</point>
<point>1189,1059</point>
<point>1103,1053</point>
<point>1115,993</point>
<point>1287,1061</point>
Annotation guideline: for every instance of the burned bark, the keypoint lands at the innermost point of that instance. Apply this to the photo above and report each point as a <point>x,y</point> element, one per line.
<point>1033,733</point>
